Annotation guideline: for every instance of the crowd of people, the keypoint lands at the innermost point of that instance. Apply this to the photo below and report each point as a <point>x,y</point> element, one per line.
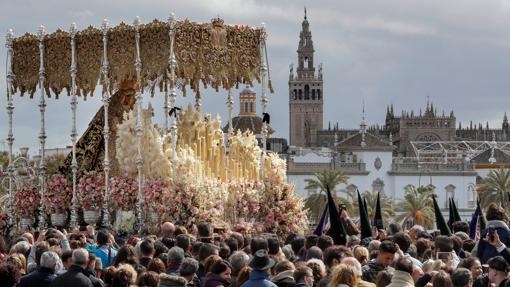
<point>204,256</point>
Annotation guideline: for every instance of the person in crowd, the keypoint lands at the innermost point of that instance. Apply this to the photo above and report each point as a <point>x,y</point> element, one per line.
<point>206,250</point>
<point>188,270</point>
<point>146,252</point>
<point>473,264</point>
<point>175,256</point>
<point>324,241</point>
<point>238,260</point>
<point>303,277</point>
<point>402,274</point>
<point>184,241</point>
<point>313,252</point>
<point>167,230</point>
<point>45,273</point>
<point>497,222</point>
<point>332,257</point>
<point>356,267</point>
<point>103,248</point>
<point>343,275</point>
<point>444,244</point>
<point>205,232</point>
<point>498,271</point>
<point>219,274</point>
<point>148,279</point>
<point>442,279</point>
<point>284,274</point>
<point>108,274</point>
<point>385,256</point>
<point>361,254</point>
<point>261,264</point>
<point>461,277</point>
<point>75,276</point>
<point>383,278</point>
<point>125,276</point>
<point>156,265</point>
<point>403,241</point>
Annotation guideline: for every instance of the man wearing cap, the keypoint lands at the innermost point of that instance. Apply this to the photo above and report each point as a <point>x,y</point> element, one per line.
<point>261,264</point>
<point>498,271</point>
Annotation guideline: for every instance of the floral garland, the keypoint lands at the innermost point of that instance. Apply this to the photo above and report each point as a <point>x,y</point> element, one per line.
<point>26,200</point>
<point>90,191</point>
<point>155,194</point>
<point>122,192</point>
<point>58,194</point>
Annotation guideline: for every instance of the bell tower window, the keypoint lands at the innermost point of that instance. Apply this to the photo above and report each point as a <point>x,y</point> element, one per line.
<point>307,92</point>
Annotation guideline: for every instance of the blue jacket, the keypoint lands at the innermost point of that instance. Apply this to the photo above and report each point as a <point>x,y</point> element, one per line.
<point>258,279</point>
<point>485,250</point>
<point>106,253</point>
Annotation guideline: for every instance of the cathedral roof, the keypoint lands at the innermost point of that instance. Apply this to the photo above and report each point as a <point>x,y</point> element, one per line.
<point>372,142</point>
<point>243,123</point>
<point>499,155</point>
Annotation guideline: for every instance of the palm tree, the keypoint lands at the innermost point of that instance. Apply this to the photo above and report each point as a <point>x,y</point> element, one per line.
<point>323,179</point>
<point>495,187</point>
<point>417,207</point>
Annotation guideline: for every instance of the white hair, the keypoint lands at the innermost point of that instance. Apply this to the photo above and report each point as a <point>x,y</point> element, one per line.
<point>318,262</point>
<point>80,256</point>
<point>50,259</point>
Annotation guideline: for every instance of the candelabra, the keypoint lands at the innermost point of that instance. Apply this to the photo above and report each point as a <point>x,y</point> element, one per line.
<point>42,135</point>
<point>74,102</point>
<point>106,129</point>
<point>172,63</point>
<point>139,127</point>
<point>10,108</point>
<point>264,100</point>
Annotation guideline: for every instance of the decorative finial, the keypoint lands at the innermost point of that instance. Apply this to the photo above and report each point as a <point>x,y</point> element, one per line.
<point>104,26</point>
<point>40,32</point>
<point>137,21</point>
<point>73,29</point>
<point>305,12</point>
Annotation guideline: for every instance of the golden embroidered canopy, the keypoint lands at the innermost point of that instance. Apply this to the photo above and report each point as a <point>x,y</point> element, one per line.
<point>214,54</point>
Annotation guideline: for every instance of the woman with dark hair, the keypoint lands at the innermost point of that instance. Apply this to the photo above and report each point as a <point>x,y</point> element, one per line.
<point>219,274</point>
<point>156,265</point>
<point>125,276</point>
<point>9,274</point>
<point>108,274</point>
<point>472,264</point>
<point>127,255</point>
<point>442,279</point>
<point>148,279</point>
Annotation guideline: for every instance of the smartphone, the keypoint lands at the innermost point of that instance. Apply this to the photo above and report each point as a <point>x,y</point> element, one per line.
<point>490,232</point>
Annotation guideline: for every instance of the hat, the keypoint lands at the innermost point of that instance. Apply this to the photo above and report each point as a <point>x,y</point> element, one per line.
<point>498,263</point>
<point>261,260</point>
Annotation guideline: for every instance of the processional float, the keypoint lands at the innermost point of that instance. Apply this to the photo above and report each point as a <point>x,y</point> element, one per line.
<point>157,56</point>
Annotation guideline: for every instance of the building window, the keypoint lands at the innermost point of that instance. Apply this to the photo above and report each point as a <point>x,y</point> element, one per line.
<point>319,95</point>
<point>251,108</point>
<point>351,188</point>
<point>471,191</point>
<point>245,107</point>
<point>378,185</point>
<point>313,94</point>
<point>307,92</point>
<point>450,194</point>
<point>300,95</point>
<point>305,64</point>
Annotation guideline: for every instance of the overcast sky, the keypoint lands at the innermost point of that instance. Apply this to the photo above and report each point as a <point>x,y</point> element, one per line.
<point>392,51</point>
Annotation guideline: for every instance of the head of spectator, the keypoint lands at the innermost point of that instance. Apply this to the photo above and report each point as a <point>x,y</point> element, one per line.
<point>204,232</point>
<point>318,269</point>
<point>284,273</point>
<point>220,271</point>
<point>498,269</point>
<point>108,274</point>
<point>383,278</point>
<point>67,259</point>
<point>80,257</point>
<point>126,254</point>
<point>9,274</point>
<point>238,260</point>
<point>303,276</point>
<point>442,279</point>
<point>361,254</point>
<point>125,276</point>
<point>175,256</point>
<point>206,250</point>
<point>461,277</point>
<point>258,243</point>
<point>102,238</point>
<point>393,228</point>
<point>240,239</point>
<point>148,279</point>
<point>473,264</point>
<point>324,241</point>
<point>51,261</point>
<point>311,240</point>
<point>413,232</point>
<point>273,245</point>
<point>147,248</point>
<point>403,240</point>
<point>159,248</point>
<point>167,229</point>
<point>224,251</point>
<point>183,241</point>
<point>495,212</point>
<point>334,255</point>
<point>261,261</point>
<point>189,268</point>
<point>468,245</point>
<point>157,265</point>
<point>443,243</point>
<point>313,252</point>
<point>355,265</point>
<point>180,230</point>
<point>460,226</point>
<point>387,250</point>
<point>297,243</point>
<point>343,275</point>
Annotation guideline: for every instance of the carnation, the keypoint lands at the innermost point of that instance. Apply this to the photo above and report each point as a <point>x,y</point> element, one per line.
<point>26,200</point>
<point>122,193</point>
<point>90,191</point>
<point>58,194</point>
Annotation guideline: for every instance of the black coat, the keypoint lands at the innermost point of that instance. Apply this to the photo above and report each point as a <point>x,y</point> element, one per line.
<point>42,277</point>
<point>73,277</point>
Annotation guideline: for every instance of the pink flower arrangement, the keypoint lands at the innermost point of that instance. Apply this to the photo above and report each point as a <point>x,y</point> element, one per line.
<point>26,200</point>
<point>90,191</point>
<point>155,194</point>
<point>122,192</point>
<point>58,194</point>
